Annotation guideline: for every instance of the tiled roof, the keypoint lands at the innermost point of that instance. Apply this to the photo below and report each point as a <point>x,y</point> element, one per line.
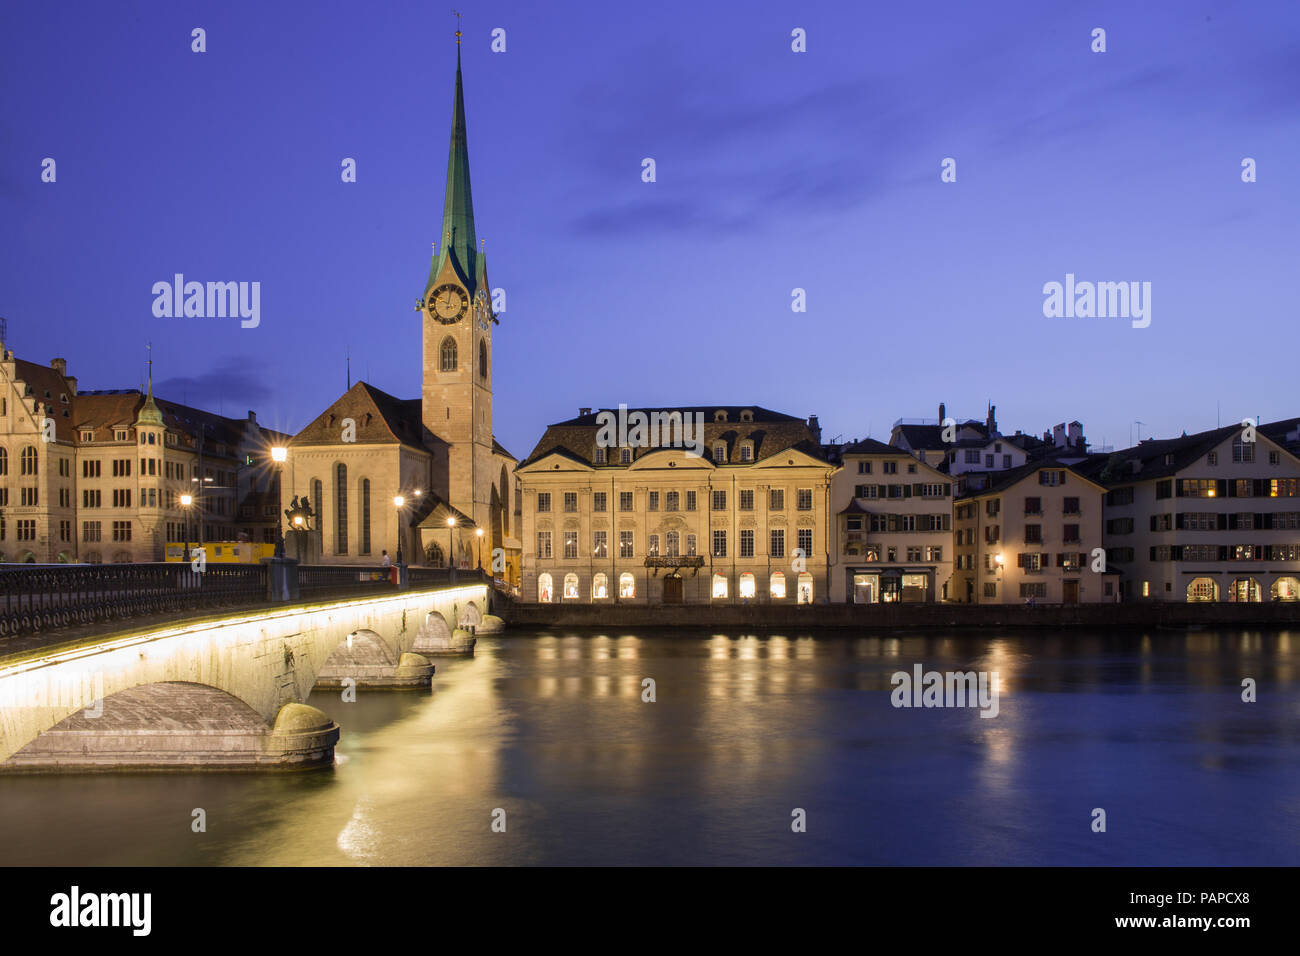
<point>770,431</point>
<point>999,481</point>
<point>379,417</point>
<point>48,388</point>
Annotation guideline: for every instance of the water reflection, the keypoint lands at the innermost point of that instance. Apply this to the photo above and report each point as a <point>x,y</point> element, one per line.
<point>555,730</point>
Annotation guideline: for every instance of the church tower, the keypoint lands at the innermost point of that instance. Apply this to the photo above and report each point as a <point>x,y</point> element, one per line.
<point>456,309</point>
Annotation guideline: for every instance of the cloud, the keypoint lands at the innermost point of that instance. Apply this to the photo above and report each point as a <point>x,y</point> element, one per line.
<point>231,383</point>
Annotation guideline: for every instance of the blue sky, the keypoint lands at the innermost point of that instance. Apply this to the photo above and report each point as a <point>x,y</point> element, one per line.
<point>775,170</point>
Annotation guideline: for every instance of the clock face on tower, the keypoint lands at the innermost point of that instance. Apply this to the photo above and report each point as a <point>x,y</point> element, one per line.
<point>447,303</point>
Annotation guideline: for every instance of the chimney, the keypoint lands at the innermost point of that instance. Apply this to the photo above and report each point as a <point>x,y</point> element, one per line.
<point>1058,435</point>
<point>59,365</point>
<point>815,428</point>
<point>943,413</point>
<point>992,422</point>
<point>582,412</point>
<point>72,384</point>
<point>1076,434</point>
<point>252,416</point>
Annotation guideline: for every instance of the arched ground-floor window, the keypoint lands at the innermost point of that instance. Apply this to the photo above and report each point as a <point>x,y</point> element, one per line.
<point>776,588</point>
<point>599,586</point>
<point>626,585</point>
<point>570,586</point>
<point>719,585</point>
<point>1203,589</point>
<point>747,586</point>
<point>544,588</point>
<point>1285,589</point>
<point>1245,590</point>
<point>805,587</point>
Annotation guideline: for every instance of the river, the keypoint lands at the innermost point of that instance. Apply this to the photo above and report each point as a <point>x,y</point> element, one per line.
<point>552,730</point>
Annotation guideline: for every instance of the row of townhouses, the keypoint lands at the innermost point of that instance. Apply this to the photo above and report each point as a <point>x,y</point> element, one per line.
<point>755,508</point>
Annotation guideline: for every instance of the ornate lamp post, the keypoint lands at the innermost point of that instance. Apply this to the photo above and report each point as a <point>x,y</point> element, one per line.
<point>478,561</point>
<point>451,544</point>
<point>278,455</point>
<point>187,502</point>
<point>399,502</point>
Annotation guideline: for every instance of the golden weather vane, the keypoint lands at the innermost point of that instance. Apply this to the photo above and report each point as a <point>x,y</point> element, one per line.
<point>458,16</point>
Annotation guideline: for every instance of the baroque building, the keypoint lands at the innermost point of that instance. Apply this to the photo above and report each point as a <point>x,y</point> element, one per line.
<point>742,517</point>
<point>436,453</point>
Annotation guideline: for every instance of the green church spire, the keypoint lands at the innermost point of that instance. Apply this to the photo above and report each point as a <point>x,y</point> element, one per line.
<point>457,240</point>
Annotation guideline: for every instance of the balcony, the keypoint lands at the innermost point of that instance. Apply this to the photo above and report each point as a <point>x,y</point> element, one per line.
<point>675,562</point>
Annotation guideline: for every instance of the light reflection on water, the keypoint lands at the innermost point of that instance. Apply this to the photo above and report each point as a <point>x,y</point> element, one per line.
<point>552,729</point>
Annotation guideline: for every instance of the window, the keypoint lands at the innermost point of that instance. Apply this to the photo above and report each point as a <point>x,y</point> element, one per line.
<point>719,544</point>
<point>598,501</point>
<point>746,499</point>
<point>1031,561</point>
<point>27,461</point>
<point>806,541</point>
<point>365,518</point>
<point>672,501</point>
<point>121,497</point>
<point>652,501</point>
<point>600,456</point>
<point>482,359</point>
<point>570,587</point>
<point>652,544</point>
<point>805,499</point>
<point>4,462</point>
<point>747,543</point>
<point>988,461</point>
<point>776,499</point>
<point>340,508</point>
<point>544,593</point>
<point>1243,452</point>
<point>625,501</point>
<point>625,456</point>
<point>776,586</point>
<point>599,544</point>
<point>776,540</point>
<point>865,491</point>
<point>1033,589</point>
<point>1212,458</point>
<point>543,544</point>
<point>720,452</point>
<point>719,585</point>
<point>121,530</point>
<point>1070,534</point>
<point>992,507</point>
<point>626,585</point>
<point>599,586</point>
<point>90,531</point>
<point>913,553</point>
<point>543,501</point>
<point>673,543</point>
<point>990,589</point>
<point>1274,458</point>
<point>746,452</point>
<point>690,544</point>
<point>1034,506</point>
<point>570,544</point>
<point>447,355</point>
<point>28,497</point>
<point>119,435</point>
<point>747,584</point>
<point>1071,506</point>
<point>972,456</point>
<point>864,468</point>
<point>570,501</point>
<point>625,544</point>
<point>719,500</point>
<point>690,501</point>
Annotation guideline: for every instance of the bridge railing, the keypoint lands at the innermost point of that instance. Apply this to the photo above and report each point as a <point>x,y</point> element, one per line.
<point>36,599</point>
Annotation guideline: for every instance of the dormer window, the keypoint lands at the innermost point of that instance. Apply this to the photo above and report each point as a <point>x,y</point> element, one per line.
<point>747,451</point>
<point>720,415</point>
<point>625,456</point>
<point>747,415</point>
<point>720,452</point>
<point>600,456</point>
<point>120,435</point>
<point>87,436</point>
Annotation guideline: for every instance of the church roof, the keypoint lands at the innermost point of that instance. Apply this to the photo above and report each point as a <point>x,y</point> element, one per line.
<point>379,418</point>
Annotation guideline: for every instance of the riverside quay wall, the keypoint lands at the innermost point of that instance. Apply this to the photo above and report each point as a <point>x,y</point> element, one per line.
<point>901,617</point>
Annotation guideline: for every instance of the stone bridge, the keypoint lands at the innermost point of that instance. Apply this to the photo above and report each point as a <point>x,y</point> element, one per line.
<point>224,692</point>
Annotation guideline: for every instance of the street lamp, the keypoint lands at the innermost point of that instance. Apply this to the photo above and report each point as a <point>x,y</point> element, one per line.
<point>398,503</point>
<point>451,526</point>
<point>278,455</point>
<point>999,560</point>
<point>186,502</point>
<point>478,533</point>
